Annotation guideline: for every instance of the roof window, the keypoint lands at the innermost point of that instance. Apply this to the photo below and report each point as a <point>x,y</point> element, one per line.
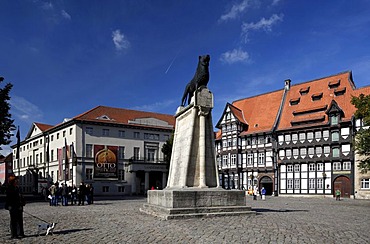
<point>333,84</point>
<point>294,101</point>
<point>304,91</point>
<point>340,91</point>
<point>316,96</point>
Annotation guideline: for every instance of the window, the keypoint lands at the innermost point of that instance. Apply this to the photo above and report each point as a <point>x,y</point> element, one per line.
<point>309,135</point>
<point>121,133</point>
<point>136,152</point>
<point>70,131</point>
<point>121,174</point>
<point>287,138</point>
<point>337,166</point>
<point>89,174</point>
<point>334,119</point>
<point>346,165</point>
<point>289,168</point>
<point>335,136</point>
<point>311,167</point>
<point>335,152</point>
<point>235,142</point>
<point>233,159</point>
<point>261,158</point>
<point>319,184</point>
<point>326,149</point>
<point>320,166</point>
<point>64,133</point>
<point>121,189</point>
<point>250,159</point>
<point>52,155</point>
<point>297,168</point>
<point>89,130</point>
<point>150,136</point>
<point>89,150</point>
<point>317,135</point>
<point>325,134</point>
<point>318,150</point>
<point>150,154</point>
<point>261,140</point>
<point>311,151</point>
<point>365,183</point>
<point>295,152</point>
<point>229,142</point>
<point>121,152</point>
<point>57,136</point>
<point>224,143</point>
<point>290,184</point>
<point>311,184</point>
<point>288,153</point>
<point>52,137</point>
<point>105,132</point>
<point>303,152</point>
<point>137,135</point>
<point>105,188</point>
<point>294,138</point>
<point>297,183</point>
<point>302,137</point>
<point>224,160</point>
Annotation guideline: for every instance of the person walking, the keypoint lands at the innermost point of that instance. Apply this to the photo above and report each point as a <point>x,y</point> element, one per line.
<point>263,193</point>
<point>337,195</point>
<point>74,195</point>
<point>53,191</point>
<point>14,202</point>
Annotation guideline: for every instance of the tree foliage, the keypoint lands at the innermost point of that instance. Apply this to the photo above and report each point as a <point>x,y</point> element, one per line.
<point>167,150</point>
<point>362,140</point>
<point>6,122</point>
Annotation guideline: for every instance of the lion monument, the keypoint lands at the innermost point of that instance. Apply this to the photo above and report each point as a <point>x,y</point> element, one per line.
<point>200,78</point>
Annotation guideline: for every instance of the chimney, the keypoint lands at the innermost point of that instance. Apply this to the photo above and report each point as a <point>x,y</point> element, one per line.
<point>287,84</point>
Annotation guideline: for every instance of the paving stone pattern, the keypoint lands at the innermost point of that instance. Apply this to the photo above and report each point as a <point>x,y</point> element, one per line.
<point>279,220</point>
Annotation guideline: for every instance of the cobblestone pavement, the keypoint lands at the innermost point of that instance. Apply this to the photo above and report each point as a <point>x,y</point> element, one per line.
<point>279,220</point>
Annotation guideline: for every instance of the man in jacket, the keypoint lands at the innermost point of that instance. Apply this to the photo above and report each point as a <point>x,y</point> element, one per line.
<point>14,202</point>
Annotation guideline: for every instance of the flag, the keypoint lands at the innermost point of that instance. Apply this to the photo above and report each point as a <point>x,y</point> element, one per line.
<point>47,149</point>
<point>73,155</point>
<point>66,160</point>
<point>18,143</point>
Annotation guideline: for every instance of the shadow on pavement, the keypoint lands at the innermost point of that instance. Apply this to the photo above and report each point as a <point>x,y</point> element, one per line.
<point>65,232</point>
<point>264,210</point>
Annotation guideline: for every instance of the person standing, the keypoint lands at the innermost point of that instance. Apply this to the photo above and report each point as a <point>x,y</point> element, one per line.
<point>263,193</point>
<point>81,194</point>
<point>14,202</point>
<point>64,195</point>
<point>74,195</point>
<point>337,195</point>
<point>53,190</point>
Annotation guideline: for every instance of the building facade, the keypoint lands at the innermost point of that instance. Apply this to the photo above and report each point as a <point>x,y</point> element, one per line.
<point>297,141</point>
<point>116,150</point>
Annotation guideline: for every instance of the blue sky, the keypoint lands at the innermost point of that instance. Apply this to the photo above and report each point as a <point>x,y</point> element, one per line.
<point>66,57</point>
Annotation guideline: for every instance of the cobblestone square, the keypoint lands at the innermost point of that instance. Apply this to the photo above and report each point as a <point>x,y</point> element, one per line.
<point>279,220</point>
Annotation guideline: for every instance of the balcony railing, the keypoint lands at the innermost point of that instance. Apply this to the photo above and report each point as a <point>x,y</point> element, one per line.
<point>146,160</point>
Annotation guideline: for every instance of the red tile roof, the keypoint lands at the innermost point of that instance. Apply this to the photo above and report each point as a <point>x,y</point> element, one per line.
<point>43,127</point>
<point>329,93</point>
<point>260,111</point>
<point>123,116</point>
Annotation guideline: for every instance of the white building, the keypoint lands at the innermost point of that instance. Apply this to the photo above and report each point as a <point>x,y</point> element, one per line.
<point>116,150</point>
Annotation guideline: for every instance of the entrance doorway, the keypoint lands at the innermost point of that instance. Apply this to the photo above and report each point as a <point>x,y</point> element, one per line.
<point>342,183</point>
<point>267,183</point>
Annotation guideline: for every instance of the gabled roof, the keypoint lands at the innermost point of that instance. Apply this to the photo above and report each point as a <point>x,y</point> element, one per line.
<point>127,117</point>
<point>238,114</point>
<point>260,111</point>
<point>336,89</point>
<point>40,126</point>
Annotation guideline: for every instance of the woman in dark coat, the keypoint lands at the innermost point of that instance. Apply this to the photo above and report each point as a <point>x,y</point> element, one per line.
<point>14,203</point>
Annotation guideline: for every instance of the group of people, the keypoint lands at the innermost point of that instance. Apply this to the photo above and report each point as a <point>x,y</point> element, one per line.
<point>254,192</point>
<point>68,194</point>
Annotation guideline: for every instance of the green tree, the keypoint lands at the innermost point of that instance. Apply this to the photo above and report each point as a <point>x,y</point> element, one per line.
<point>6,122</point>
<point>362,140</point>
<point>167,150</point>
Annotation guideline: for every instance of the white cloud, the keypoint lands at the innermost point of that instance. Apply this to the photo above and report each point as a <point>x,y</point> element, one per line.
<point>275,2</point>
<point>24,110</point>
<point>235,10</point>
<point>119,40</point>
<point>264,24</point>
<point>234,56</point>
<point>155,107</point>
<point>66,15</point>
<point>47,6</point>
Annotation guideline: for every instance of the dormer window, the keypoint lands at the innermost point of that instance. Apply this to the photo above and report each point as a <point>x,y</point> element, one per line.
<point>294,101</point>
<point>304,91</point>
<point>334,84</point>
<point>339,91</point>
<point>334,119</point>
<point>316,96</point>
<point>103,117</point>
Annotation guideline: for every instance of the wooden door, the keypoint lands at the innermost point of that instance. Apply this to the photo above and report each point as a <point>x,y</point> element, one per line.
<point>343,183</point>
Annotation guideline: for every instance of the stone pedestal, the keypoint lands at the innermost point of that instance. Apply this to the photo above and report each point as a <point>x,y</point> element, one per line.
<point>193,186</point>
